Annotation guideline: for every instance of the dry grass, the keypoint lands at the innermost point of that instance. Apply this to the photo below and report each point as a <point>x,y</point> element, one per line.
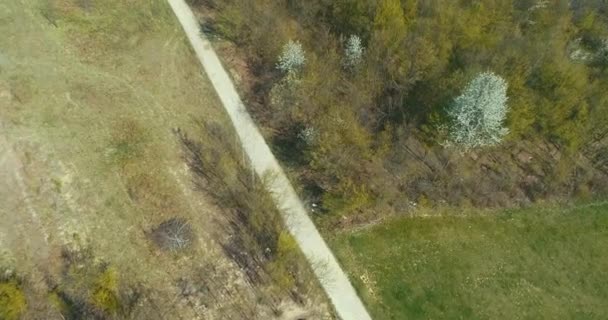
<point>90,92</point>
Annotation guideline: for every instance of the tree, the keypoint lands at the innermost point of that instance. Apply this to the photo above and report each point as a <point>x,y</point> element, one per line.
<point>292,59</point>
<point>478,114</point>
<point>353,52</point>
<point>390,29</point>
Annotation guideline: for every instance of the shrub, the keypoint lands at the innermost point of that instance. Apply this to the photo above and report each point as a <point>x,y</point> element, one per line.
<point>105,293</point>
<point>283,267</point>
<point>12,300</point>
<point>284,96</point>
<point>90,289</point>
<point>173,235</point>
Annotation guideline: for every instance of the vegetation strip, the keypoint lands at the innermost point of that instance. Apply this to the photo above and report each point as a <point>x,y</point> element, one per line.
<point>334,281</point>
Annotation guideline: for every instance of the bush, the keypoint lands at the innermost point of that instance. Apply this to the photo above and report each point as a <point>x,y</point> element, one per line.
<point>105,292</point>
<point>89,289</point>
<point>12,300</point>
<point>283,267</point>
<point>173,235</point>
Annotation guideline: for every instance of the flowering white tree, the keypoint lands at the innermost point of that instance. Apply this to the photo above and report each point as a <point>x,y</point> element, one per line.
<point>309,135</point>
<point>603,52</point>
<point>292,58</point>
<point>478,114</point>
<point>354,51</point>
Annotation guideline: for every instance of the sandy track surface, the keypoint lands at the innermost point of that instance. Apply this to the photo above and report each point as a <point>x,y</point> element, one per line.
<point>332,277</point>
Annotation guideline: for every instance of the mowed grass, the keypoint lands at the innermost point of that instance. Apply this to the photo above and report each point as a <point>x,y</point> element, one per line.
<point>544,263</point>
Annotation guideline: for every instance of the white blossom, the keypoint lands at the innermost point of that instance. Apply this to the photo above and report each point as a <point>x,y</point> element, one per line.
<point>540,4</point>
<point>308,135</point>
<point>603,51</point>
<point>293,58</point>
<point>578,53</point>
<point>479,112</point>
<point>581,55</point>
<point>354,51</point>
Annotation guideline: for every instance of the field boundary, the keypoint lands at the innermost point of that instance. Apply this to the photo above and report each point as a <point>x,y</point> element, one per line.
<point>334,281</point>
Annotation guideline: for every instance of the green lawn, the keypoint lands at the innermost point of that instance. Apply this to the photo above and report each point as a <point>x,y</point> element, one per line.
<point>524,264</point>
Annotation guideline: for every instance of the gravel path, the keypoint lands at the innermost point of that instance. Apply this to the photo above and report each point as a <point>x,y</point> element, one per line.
<point>334,281</point>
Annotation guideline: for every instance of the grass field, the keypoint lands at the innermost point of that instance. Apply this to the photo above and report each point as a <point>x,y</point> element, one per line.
<point>90,93</point>
<point>543,263</point>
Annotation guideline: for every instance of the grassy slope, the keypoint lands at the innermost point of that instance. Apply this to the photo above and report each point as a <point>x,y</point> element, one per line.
<point>93,95</point>
<point>94,99</point>
<point>526,264</point>
<point>89,94</point>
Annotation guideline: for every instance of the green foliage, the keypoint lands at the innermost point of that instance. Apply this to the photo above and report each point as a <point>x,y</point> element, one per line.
<point>560,102</point>
<point>284,265</point>
<point>12,300</point>
<point>390,26</point>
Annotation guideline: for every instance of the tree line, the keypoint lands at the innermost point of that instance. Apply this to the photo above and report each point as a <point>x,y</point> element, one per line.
<point>347,85</point>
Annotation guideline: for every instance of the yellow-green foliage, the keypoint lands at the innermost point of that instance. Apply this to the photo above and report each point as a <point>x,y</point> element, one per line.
<point>12,300</point>
<point>390,29</point>
<point>93,283</point>
<point>283,267</point>
<point>348,197</point>
<point>389,24</point>
<point>286,246</point>
<point>418,57</point>
<point>105,292</point>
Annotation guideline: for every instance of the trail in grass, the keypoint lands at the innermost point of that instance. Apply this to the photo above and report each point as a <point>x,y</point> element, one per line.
<point>333,279</point>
